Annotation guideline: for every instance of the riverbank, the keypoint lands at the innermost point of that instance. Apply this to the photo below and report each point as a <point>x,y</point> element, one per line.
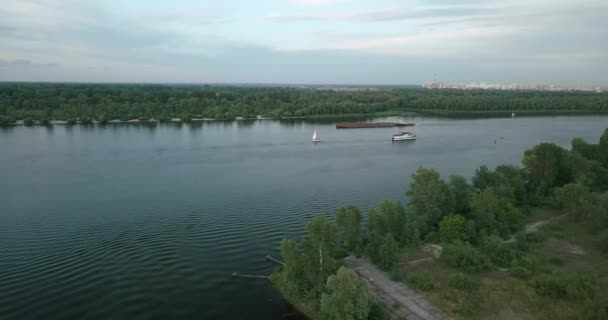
<point>331,117</point>
<point>304,307</point>
<point>326,117</point>
<point>503,113</point>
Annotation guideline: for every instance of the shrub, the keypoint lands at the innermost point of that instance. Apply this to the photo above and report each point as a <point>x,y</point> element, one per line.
<point>520,272</point>
<point>566,286</point>
<point>421,281</point>
<point>376,312</point>
<point>556,261</point>
<point>396,272</point>
<point>467,306</point>
<point>529,262</point>
<point>602,241</point>
<point>462,282</point>
<point>4,120</point>
<point>464,256</point>
<point>452,227</point>
<point>497,251</point>
<point>534,237</point>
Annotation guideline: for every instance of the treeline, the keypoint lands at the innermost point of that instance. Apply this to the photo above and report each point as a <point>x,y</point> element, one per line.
<point>41,103</point>
<point>477,225</point>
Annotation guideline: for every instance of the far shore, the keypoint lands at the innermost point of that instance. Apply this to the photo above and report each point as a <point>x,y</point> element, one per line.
<point>403,112</point>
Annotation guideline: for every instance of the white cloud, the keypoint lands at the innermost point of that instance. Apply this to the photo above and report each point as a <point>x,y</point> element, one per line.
<point>450,44</point>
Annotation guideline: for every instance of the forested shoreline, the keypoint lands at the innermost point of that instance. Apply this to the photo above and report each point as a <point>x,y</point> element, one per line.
<point>529,242</point>
<point>41,103</point>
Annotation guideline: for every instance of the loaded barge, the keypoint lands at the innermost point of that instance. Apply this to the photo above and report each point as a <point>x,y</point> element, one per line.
<point>357,125</point>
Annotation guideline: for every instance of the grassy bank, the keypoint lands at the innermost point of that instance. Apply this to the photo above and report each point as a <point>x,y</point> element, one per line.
<point>564,277</point>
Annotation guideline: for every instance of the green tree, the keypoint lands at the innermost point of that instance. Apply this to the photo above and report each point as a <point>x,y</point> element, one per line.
<point>510,184</point>
<point>485,205</point>
<point>495,215</point>
<point>320,248</point>
<point>348,223</point>
<point>294,272</point>
<point>345,298</point>
<point>452,227</point>
<point>460,192</point>
<point>429,197</point>
<point>388,253</point>
<point>546,166</point>
<point>574,198</point>
<point>508,218</point>
<point>483,178</point>
<point>391,218</point>
<point>589,151</point>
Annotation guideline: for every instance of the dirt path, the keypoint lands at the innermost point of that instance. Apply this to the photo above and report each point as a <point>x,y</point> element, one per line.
<point>401,301</point>
<point>534,226</point>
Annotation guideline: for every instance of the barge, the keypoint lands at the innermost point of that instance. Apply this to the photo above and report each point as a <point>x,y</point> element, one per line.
<point>358,125</point>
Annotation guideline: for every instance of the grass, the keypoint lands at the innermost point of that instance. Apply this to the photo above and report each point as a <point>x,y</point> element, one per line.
<point>556,261</point>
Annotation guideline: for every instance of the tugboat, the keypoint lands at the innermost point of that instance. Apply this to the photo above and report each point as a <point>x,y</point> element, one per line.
<point>315,138</point>
<point>404,136</point>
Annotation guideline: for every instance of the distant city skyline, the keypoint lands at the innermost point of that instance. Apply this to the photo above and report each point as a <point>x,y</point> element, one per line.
<point>515,86</point>
<point>384,42</point>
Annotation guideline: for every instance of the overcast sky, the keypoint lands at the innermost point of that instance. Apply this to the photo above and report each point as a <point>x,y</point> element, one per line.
<point>305,41</point>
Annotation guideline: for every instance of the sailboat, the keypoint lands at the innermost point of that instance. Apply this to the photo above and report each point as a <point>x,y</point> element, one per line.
<point>315,138</point>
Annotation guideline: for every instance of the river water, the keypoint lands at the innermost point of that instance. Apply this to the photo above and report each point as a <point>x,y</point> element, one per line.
<point>149,222</point>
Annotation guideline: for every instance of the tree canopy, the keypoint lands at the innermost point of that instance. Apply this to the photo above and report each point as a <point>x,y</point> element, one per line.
<point>39,101</point>
<point>348,222</point>
<point>345,298</point>
<point>429,197</point>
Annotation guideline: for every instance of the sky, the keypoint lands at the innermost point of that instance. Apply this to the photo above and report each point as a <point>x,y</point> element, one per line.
<point>305,41</point>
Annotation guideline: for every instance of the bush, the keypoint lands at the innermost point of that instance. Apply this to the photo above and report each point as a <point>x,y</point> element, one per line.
<point>464,256</point>
<point>421,281</point>
<point>520,272</point>
<point>4,120</point>
<point>529,262</point>
<point>376,312</point>
<point>497,250</point>
<point>566,286</point>
<point>462,282</point>
<point>534,237</point>
<point>556,261</point>
<point>467,306</point>
<point>602,241</point>
<point>452,227</point>
<point>396,272</point>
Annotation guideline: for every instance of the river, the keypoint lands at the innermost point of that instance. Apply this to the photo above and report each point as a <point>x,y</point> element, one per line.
<point>149,222</point>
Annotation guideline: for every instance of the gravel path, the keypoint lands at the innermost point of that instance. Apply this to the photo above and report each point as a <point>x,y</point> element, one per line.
<point>401,301</point>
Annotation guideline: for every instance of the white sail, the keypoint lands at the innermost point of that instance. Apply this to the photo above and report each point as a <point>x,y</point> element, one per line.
<point>314,136</point>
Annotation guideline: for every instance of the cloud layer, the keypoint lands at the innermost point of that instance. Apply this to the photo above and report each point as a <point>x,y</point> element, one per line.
<point>313,41</point>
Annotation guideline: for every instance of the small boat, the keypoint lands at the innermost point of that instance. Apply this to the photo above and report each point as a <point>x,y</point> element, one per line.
<point>404,136</point>
<point>513,115</point>
<point>315,138</point>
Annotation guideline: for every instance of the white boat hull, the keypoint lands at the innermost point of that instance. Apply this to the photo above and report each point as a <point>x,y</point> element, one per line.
<point>316,140</point>
<point>404,138</point>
